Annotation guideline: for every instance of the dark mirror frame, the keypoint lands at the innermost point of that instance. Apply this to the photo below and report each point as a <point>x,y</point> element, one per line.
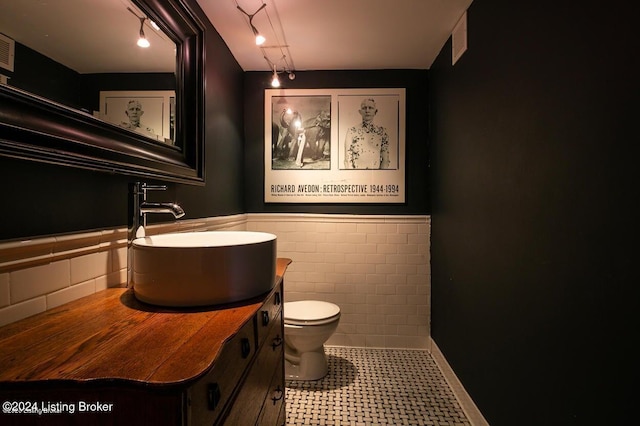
<point>34,128</point>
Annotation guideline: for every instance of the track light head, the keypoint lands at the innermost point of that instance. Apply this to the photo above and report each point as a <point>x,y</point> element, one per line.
<point>275,82</point>
<point>142,41</point>
<point>259,37</point>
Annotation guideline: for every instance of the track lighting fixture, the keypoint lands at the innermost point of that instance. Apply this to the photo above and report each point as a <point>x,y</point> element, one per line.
<point>259,37</point>
<point>282,65</point>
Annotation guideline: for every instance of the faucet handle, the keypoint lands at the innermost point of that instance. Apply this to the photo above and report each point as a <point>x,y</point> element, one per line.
<point>147,187</point>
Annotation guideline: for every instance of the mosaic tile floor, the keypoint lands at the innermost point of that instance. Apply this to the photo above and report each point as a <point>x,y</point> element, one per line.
<point>367,387</point>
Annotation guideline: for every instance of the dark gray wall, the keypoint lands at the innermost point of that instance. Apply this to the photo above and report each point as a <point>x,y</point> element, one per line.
<point>41,199</point>
<point>417,143</point>
<point>534,221</point>
<point>38,74</point>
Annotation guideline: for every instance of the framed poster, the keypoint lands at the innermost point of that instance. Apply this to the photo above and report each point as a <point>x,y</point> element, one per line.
<point>334,146</point>
<point>150,113</point>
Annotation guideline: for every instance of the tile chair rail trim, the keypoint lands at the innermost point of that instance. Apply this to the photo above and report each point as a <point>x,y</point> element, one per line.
<point>21,254</point>
<point>339,218</point>
<point>29,252</point>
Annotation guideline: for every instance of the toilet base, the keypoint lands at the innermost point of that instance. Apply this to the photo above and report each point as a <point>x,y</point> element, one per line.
<point>308,366</point>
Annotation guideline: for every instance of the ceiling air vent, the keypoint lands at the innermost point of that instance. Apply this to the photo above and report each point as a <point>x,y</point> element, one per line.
<point>7,48</point>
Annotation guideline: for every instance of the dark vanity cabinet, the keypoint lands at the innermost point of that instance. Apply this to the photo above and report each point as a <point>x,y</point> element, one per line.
<point>246,384</point>
<point>107,359</point>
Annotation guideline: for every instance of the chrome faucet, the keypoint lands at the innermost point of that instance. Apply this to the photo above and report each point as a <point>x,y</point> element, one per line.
<point>139,208</point>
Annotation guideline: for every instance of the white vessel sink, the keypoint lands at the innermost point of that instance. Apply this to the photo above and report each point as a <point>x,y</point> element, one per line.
<point>203,268</point>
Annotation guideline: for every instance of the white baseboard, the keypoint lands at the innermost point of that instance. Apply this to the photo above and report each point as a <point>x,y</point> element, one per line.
<point>468,406</point>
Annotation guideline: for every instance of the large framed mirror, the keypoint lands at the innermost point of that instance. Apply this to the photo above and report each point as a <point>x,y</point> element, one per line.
<point>77,91</point>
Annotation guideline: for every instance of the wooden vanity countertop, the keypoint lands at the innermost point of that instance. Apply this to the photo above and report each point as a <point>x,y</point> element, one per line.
<point>110,335</point>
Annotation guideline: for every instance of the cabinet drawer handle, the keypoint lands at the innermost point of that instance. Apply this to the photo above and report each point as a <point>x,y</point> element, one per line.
<point>245,347</point>
<point>213,396</point>
<point>278,393</point>
<point>277,341</point>
<point>277,300</point>
<point>265,318</point>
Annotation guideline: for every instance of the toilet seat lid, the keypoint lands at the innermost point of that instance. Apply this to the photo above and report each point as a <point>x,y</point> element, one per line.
<point>310,310</point>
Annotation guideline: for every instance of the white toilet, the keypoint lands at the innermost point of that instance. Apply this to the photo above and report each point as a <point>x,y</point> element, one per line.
<point>307,326</point>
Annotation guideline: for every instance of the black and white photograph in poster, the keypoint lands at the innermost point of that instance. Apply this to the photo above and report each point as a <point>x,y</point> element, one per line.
<point>368,129</point>
<point>335,145</point>
<point>301,133</point>
<point>148,113</point>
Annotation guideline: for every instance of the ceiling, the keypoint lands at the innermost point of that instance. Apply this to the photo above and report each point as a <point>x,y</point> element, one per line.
<point>99,36</point>
<point>336,34</point>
